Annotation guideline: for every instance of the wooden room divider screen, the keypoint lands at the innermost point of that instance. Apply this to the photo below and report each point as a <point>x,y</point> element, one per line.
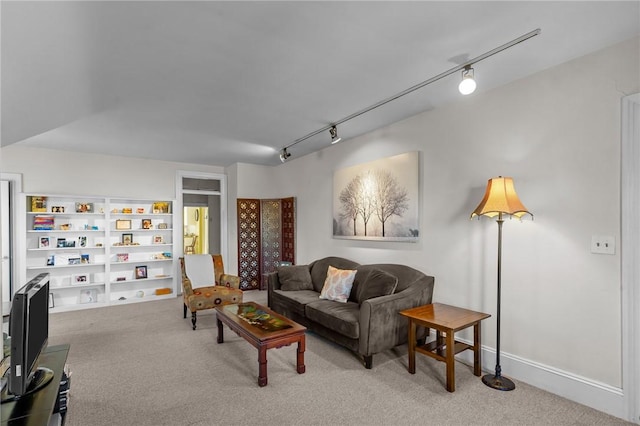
<point>266,236</point>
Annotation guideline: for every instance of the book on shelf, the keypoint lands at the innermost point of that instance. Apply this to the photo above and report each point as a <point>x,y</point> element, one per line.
<point>43,223</point>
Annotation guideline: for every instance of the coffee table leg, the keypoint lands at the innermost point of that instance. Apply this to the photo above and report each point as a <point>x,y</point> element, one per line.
<point>477,360</point>
<point>220,332</point>
<point>300,356</point>
<point>262,369</point>
<point>451,352</point>
<point>412,347</point>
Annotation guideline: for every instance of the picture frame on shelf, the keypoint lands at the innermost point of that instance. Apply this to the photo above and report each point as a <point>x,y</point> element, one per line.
<point>141,272</point>
<point>44,242</point>
<point>89,295</point>
<point>163,226</point>
<point>61,242</point>
<point>80,279</point>
<point>82,241</point>
<point>160,207</point>
<point>75,260</point>
<point>146,224</point>
<point>127,239</point>
<point>122,257</point>
<point>123,224</point>
<point>85,258</point>
<point>84,207</point>
<point>57,209</point>
<point>158,239</point>
<point>51,260</point>
<point>38,204</point>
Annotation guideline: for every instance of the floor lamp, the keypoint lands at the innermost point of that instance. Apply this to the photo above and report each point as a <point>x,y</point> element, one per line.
<point>500,199</point>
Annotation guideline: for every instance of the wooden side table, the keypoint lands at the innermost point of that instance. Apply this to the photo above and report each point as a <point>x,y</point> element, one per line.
<point>444,319</point>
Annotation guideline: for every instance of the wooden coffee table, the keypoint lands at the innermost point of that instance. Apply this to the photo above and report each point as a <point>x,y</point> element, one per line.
<point>444,319</point>
<point>264,329</point>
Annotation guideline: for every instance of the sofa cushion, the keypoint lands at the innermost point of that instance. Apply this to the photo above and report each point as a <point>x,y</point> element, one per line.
<point>319,269</point>
<point>295,278</point>
<point>337,285</point>
<point>295,301</point>
<point>343,318</point>
<point>377,283</point>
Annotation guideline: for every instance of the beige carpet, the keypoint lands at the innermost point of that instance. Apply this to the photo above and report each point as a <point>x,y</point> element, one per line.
<point>141,364</point>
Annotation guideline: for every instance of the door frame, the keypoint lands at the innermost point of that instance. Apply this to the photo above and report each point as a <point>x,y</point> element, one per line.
<point>178,213</point>
<point>630,244</point>
<point>17,225</point>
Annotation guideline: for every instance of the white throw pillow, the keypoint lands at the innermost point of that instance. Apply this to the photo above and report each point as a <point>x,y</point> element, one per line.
<point>338,284</point>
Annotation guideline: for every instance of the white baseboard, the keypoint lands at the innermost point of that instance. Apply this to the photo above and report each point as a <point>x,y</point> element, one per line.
<point>599,396</point>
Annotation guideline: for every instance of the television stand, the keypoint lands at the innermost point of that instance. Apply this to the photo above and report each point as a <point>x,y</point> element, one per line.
<point>36,407</point>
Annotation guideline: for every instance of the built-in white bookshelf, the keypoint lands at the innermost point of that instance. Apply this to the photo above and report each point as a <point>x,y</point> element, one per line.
<point>101,251</point>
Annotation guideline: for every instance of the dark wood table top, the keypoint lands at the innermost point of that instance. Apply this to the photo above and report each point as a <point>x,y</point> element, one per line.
<point>259,321</point>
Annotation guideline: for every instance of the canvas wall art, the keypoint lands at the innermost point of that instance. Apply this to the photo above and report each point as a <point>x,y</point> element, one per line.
<point>378,200</point>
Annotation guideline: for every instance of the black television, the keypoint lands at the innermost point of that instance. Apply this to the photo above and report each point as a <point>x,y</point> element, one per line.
<point>29,331</point>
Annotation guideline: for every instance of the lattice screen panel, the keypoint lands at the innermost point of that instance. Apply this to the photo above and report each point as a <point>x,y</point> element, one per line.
<point>249,243</point>
<point>288,209</point>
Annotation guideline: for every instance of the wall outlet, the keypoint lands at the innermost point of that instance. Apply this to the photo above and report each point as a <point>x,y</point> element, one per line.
<point>603,244</point>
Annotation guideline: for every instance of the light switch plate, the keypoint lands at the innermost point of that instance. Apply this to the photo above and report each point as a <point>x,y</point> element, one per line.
<point>603,244</point>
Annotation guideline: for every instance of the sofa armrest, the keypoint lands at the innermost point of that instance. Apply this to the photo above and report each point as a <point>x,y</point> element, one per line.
<point>273,283</point>
<point>381,325</point>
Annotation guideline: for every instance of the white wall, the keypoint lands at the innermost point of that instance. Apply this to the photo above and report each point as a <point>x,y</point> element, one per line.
<point>557,133</point>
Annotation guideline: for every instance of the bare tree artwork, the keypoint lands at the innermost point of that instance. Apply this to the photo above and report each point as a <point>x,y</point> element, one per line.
<point>378,200</point>
<point>390,198</point>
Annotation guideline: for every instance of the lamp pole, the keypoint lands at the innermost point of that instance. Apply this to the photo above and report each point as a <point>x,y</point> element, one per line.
<point>496,380</point>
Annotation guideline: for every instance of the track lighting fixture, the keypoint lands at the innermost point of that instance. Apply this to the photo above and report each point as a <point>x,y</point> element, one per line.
<point>468,84</point>
<point>284,154</point>
<point>333,131</point>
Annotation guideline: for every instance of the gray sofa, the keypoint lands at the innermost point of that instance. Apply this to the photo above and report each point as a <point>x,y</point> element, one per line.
<point>368,322</point>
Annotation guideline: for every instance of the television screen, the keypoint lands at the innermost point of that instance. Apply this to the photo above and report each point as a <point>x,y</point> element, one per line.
<point>29,330</point>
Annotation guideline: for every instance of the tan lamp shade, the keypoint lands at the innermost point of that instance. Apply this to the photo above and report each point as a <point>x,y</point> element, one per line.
<point>500,198</point>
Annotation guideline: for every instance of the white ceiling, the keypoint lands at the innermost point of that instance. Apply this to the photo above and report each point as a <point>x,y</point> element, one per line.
<point>223,82</point>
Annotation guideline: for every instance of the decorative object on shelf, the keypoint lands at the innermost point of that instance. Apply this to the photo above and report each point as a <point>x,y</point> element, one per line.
<point>500,199</point>
<point>139,293</point>
<point>122,224</point>
<point>80,279</point>
<point>158,239</point>
<point>161,207</point>
<point>146,224</point>
<point>127,210</point>
<point>38,204</point>
<point>44,242</point>
<point>89,295</point>
<point>162,291</point>
<point>140,210</point>
<point>43,223</point>
<point>82,241</point>
<point>163,226</point>
<point>57,209</point>
<point>127,239</point>
<point>65,227</point>
<point>141,272</point>
<point>122,257</point>
<point>121,278</point>
<point>84,207</point>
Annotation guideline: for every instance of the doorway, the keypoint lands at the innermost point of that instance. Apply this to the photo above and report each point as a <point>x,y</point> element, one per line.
<point>203,199</point>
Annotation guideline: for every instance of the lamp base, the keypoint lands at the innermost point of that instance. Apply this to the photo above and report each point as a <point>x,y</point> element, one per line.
<point>498,382</point>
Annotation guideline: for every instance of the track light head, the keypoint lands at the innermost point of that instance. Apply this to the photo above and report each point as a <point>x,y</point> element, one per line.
<point>468,84</point>
<point>284,155</point>
<point>333,131</point>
